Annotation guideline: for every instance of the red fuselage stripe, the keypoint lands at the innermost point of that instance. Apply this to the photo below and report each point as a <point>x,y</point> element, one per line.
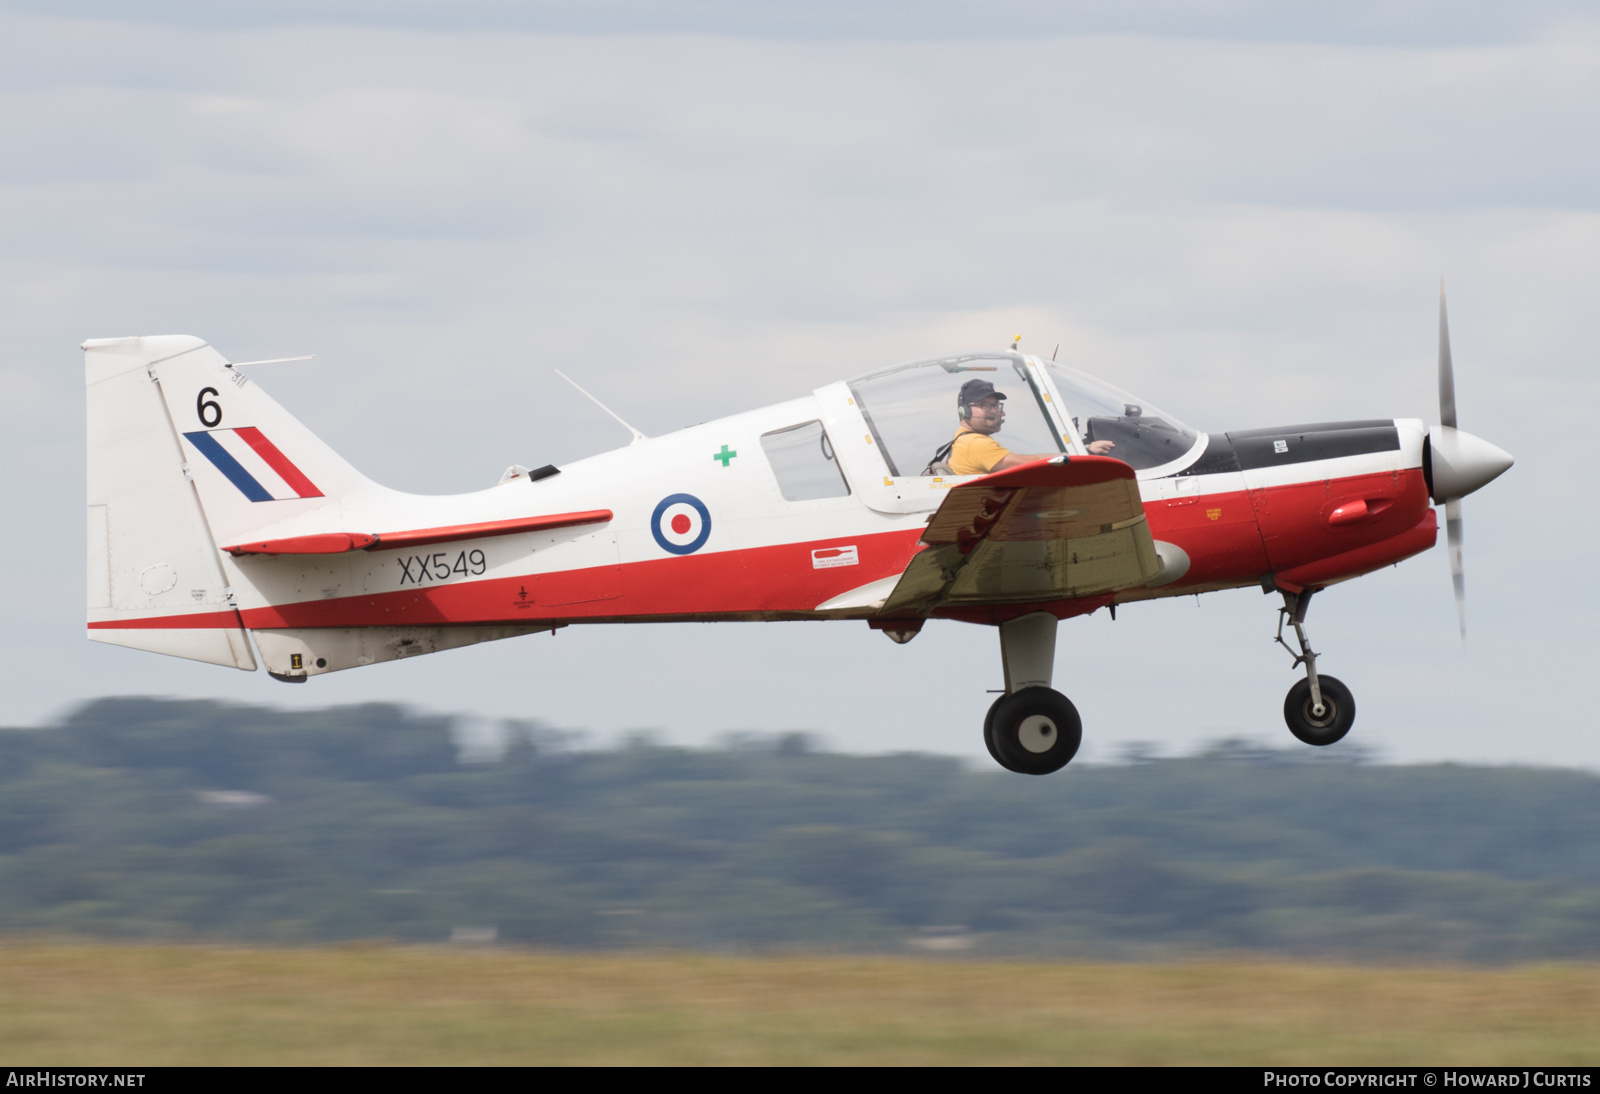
<point>1231,538</point>
<point>207,621</point>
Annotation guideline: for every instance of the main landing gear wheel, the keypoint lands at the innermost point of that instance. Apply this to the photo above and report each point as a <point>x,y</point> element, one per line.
<point>1338,711</point>
<point>988,732</point>
<point>1033,731</point>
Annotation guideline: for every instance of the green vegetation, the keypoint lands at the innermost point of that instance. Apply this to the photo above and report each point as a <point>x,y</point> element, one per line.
<point>360,822</point>
<point>131,1006</point>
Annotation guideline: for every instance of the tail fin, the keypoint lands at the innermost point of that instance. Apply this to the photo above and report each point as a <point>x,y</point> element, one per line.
<point>186,454</point>
<point>253,463</point>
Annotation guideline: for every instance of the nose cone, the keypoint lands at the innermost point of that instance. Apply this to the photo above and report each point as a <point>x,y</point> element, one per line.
<point>1462,463</point>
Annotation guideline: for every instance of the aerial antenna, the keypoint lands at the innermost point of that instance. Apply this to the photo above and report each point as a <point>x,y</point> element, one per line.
<point>270,361</point>
<point>1055,351</point>
<point>637,436</point>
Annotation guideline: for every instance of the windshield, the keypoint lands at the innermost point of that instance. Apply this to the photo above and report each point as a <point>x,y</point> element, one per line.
<point>911,409</point>
<point>1142,435</point>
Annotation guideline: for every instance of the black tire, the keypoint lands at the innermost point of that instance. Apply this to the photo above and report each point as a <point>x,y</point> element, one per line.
<point>988,731</point>
<point>1035,731</point>
<point>1338,715</point>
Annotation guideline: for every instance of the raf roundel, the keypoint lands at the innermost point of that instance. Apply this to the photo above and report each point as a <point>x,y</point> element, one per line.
<point>681,524</point>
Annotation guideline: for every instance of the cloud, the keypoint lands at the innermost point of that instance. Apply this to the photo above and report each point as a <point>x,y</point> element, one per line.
<point>1245,227</point>
<point>1365,22</point>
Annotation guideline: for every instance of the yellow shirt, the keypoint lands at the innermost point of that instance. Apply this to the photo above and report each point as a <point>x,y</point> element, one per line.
<point>974,453</point>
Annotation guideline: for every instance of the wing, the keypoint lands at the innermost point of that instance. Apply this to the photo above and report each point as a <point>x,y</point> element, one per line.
<point>1055,529</point>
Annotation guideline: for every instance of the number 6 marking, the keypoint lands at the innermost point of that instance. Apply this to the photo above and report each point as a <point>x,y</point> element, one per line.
<point>202,406</point>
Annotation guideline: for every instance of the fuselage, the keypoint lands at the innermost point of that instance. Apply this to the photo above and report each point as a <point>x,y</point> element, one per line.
<point>1300,506</point>
<point>214,512</point>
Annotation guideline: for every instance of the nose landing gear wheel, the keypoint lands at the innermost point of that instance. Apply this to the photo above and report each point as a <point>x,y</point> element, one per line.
<point>1338,711</point>
<point>1033,731</point>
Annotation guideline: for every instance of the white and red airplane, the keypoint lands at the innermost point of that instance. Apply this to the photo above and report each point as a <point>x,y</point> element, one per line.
<point>213,512</point>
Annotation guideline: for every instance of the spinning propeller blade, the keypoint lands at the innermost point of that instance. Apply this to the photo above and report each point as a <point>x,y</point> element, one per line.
<point>1452,531</point>
<point>1447,374</point>
<point>1452,508</point>
<point>1458,464</point>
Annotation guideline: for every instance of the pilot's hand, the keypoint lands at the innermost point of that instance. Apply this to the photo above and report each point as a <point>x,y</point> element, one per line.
<point>1100,448</point>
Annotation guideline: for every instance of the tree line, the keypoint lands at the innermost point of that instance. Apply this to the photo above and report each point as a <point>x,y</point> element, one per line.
<point>147,818</point>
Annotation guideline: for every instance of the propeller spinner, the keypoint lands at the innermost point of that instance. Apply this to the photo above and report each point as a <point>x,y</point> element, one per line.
<point>1457,463</point>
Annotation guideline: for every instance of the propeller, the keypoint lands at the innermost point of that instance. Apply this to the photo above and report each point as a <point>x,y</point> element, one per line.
<point>1457,463</point>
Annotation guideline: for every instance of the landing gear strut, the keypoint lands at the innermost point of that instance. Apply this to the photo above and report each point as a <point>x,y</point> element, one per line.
<point>1032,729</point>
<point>1319,709</point>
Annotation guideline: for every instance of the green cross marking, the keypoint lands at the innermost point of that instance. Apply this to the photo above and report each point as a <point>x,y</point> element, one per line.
<point>725,456</point>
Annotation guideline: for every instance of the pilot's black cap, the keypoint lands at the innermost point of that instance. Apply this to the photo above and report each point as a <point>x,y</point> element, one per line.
<point>973,390</point>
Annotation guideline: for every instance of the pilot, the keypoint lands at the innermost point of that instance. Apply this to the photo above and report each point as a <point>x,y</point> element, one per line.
<point>974,451</point>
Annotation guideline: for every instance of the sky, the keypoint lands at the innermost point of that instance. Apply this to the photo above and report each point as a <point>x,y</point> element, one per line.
<point>1240,211</point>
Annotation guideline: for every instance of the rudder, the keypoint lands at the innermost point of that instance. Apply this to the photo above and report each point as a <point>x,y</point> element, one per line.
<point>155,581</point>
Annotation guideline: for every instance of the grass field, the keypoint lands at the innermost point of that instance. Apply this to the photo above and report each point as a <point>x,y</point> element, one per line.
<point>152,1005</point>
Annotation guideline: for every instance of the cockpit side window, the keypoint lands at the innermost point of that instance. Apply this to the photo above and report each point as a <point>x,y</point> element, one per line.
<point>802,461</point>
<point>912,413</point>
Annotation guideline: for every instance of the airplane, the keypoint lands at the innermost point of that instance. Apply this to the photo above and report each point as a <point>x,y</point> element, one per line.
<point>214,515</point>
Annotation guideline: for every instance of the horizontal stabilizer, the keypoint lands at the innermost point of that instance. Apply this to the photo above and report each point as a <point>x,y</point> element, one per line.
<point>337,543</point>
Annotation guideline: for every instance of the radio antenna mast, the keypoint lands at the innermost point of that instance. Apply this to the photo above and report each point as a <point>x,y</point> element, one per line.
<point>637,436</point>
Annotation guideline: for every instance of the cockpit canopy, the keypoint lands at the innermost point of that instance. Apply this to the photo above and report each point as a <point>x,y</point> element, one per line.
<point>911,411</point>
<point>1144,435</point>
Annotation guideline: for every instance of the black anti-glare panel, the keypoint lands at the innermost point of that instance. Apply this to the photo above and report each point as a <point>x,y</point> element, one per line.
<point>1314,427</point>
<point>1302,444</point>
<point>1217,459</point>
